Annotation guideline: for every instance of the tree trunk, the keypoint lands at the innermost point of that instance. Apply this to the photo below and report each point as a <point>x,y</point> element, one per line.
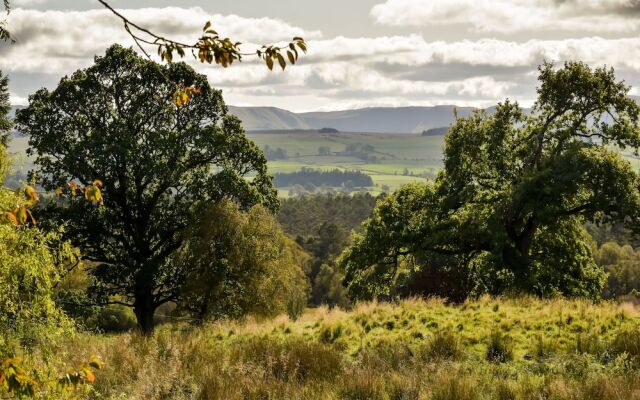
<point>516,255</point>
<point>144,308</point>
<point>518,264</point>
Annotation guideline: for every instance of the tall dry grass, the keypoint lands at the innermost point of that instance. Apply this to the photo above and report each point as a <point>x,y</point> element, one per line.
<point>488,349</point>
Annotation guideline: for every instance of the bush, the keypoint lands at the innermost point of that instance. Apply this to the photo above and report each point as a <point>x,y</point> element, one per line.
<point>115,319</point>
<point>240,263</point>
<point>31,263</point>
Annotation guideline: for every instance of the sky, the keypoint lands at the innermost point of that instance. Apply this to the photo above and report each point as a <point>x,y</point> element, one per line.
<point>362,53</point>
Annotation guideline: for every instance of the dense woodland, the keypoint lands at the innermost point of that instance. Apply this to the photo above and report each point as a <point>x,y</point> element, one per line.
<point>310,178</point>
<point>148,250</point>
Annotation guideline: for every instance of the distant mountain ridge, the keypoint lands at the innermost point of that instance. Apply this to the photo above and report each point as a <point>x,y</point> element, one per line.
<point>374,119</point>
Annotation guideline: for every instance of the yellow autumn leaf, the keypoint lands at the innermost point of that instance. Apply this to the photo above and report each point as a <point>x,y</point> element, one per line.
<point>31,193</point>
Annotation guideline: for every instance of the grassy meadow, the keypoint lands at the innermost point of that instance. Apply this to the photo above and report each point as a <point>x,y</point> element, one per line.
<point>519,348</point>
<point>415,153</point>
<point>396,153</point>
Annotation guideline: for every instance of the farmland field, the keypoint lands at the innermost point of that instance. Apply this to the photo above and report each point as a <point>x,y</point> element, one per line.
<point>395,153</point>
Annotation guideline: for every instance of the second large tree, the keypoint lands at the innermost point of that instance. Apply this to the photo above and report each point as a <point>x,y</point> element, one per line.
<point>506,212</point>
<point>117,122</point>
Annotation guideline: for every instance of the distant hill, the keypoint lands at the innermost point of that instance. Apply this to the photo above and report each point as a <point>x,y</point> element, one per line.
<point>386,119</point>
<point>377,119</point>
<point>268,118</point>
<point>436,131</point>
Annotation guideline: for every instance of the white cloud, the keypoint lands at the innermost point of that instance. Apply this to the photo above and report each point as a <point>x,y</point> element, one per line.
<point>27,3</point>
<point>338,72</point>
<point>414,51</point>
<point>60,41</point>
<point>508,16</point>
<point>16,100</point>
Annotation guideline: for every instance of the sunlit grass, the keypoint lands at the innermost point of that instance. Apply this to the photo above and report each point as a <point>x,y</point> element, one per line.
<point>486,349</point>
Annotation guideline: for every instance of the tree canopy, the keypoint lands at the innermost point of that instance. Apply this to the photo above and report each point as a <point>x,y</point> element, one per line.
<point>506,213</point>
<point>241,263</point>
<point>115,123</point>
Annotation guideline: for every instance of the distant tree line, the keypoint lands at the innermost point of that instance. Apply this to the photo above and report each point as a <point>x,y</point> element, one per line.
<point>274,154</point>
<point>363,151</point>
<point>335,178</point>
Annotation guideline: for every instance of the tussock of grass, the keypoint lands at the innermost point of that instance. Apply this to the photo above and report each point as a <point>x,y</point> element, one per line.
<point>500,349</point>
<point>444,345</point>
<point>519,348</point>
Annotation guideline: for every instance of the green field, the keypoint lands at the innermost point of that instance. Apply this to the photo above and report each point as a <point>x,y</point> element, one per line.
<point>396,152</point>
<point>416,154</point>
<point>419,155</point>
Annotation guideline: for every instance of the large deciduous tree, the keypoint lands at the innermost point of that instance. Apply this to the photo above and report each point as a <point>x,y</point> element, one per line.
<point>506,213</point>
<point>117,122</point>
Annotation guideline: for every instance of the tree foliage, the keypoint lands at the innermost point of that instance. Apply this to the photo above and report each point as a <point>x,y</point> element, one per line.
<point>506,213</point>
<point>241,263</point>
<point>335,178</point>
<point>210,47</point>
<point>5,126</point>
<point>32,263</point>
<point>31,260</point>
<point>5,35</point>
<point>321,225</point>
<point>116,122</point>
<point>304,216</point>
<point>622,264</point>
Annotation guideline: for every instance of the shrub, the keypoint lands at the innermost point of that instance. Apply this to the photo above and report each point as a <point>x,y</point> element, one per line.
<point>115,319</point>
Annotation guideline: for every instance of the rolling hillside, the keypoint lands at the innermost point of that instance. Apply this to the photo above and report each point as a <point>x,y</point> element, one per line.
<point>375,120</point>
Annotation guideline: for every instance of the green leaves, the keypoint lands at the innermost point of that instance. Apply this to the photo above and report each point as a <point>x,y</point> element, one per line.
<point>15,380</point>
<point>506,212</point>
<point>270,54</point>
<point>22,385</point>
<point>157,168</point>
